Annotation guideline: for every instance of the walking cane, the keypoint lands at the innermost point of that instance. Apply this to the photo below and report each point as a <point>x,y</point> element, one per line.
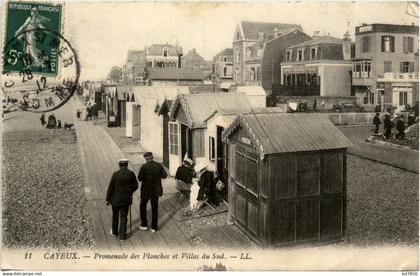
<point>130,219</point>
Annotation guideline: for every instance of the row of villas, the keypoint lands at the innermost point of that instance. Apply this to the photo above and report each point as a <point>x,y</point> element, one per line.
<point>380,68</point>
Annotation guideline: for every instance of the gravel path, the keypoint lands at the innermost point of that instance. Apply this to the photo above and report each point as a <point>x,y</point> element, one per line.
<point>382,204</point>
<point>43,194</point>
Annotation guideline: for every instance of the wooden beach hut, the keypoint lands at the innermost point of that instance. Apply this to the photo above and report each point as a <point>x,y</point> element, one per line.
<point>287,178</point>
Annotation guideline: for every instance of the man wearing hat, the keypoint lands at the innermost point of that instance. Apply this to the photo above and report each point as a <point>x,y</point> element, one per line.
<point>120,195</point>
<point>150,175</point>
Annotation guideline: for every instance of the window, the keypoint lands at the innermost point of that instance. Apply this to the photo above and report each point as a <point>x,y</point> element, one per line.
<point>237,36</point>
<point>406,67</point>
<point>387,66</point>
<point>365,44</point>
<point>403,98</point>
<point>288,56</point>
<point>408,44</point>
<point>313,53</point>
<point>369,98</point>
<point>212,148</point>
<point>300,55</point>
<point>224,71</point>
<point>173,138</point>
<point>224,59</point>
<point>388,44</point>
<point>165,52</point>
<point>237,55</point>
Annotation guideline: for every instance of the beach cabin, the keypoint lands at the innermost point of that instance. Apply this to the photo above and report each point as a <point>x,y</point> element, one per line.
<point>147,117</point>
<point>216,151</point>
<point>287,178</point>
<point>187,122</point>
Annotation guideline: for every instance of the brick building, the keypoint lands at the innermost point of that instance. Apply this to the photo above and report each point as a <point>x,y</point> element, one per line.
<point>192,60</point>
<point>385,68</point>
<point>248,33</point>
<point>262,60</point>
<point>223,65</point>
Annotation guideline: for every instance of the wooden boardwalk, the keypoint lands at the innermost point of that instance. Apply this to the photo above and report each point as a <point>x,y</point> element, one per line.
<point>99,155</point>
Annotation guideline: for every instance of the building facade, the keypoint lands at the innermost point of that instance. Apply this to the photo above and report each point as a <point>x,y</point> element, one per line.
<point>248,33</point>
<point>317,67</point>
<point>223,65</point>
<point>262,62</point>
<point>384,67</point>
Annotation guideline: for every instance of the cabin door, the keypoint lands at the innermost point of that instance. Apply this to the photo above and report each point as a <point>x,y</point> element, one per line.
<point>186,142</point>
<point>136,122</point>
<point>221,156</point>
<point>246,183</point>
<point>165,140</point>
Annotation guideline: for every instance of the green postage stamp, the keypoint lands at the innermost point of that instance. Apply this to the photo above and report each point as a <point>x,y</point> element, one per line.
<point>28,46</point>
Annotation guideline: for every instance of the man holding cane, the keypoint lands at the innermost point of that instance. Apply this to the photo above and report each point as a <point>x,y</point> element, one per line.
<point>120,195</point>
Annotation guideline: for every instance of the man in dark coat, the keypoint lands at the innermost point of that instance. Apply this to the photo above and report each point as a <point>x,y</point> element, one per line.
<point>388,125</point>
<point>94,113</point>
<point>120,195</point>
<point>376,122</point>
<point>150,176</point>
<point>400,126</point>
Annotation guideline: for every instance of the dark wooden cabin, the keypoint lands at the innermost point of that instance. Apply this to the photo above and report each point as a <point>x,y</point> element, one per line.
<point>287,178</point>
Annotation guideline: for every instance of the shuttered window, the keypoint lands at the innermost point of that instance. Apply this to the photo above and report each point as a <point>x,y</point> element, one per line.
<point>387,66</point>
<point>365,44</point>
<point>408,44</point>
<point>406,67</point>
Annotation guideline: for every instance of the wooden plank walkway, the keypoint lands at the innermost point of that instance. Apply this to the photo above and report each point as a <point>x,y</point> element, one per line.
<point>99,154</point>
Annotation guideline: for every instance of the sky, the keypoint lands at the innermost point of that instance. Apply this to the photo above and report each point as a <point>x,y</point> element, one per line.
<point>103,32</point>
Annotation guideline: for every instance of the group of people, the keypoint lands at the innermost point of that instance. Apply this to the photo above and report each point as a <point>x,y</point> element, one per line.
<point>120,193</point>
<point>89,111</point>
<point>197,183</point>
<point>52,122</point>
<point>389,124</point>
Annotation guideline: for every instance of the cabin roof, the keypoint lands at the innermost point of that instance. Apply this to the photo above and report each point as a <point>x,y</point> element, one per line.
<point>198,107</point>
<point>286,133</point>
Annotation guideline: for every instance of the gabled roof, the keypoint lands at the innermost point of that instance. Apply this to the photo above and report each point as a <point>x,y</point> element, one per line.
<point>157,50</point>
<point>319,40</point>
<point>175,74</point>
<point>160,93</point>
<point>286,133</point>
<point>198,107</point>
<point>225,52</point>
<point>251,30</point>
<point>192,54</point>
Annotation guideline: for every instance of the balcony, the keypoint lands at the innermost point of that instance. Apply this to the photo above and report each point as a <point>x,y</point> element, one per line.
<point>399,77</point>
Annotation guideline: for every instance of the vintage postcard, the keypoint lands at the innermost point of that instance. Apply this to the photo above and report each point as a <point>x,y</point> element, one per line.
<point>222,135</point>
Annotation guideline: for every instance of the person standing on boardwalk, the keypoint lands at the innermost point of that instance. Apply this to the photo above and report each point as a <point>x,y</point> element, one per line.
<point>150,176</point>
<point>94,112</point>
<point>388,125</point>
<point>120,195</point>
<point>376,122</point>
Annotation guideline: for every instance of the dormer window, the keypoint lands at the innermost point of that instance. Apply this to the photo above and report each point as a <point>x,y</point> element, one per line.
<point>165,52</point>
<point>288,56</point>
<point>261,35</point>
<point>237,36</point>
